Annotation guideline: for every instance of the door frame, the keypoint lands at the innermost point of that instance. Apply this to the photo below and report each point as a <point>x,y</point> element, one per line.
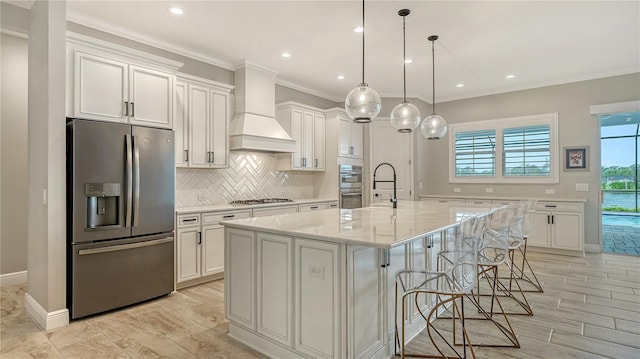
<point>597,111</point>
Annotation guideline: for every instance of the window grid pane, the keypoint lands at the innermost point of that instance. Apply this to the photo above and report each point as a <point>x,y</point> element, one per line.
<point>475,153</point>
<point>526,151</point>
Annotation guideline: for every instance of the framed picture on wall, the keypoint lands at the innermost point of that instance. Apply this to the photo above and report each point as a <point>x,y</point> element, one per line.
<point>576,158</point>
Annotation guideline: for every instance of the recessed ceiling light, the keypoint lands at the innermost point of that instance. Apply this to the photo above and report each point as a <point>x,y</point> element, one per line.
<point>358,29</point>
<point>408,61</point>
<point>176,10</point>
<point>340,77</point>
<point>460,85</point>
<point>510,76</point>
<point>285,54</point>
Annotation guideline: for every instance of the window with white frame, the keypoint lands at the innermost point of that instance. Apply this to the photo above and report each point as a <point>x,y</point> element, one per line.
<point>509,150</point>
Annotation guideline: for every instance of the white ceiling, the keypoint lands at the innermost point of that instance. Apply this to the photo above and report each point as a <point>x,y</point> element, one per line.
<point>541,42</point>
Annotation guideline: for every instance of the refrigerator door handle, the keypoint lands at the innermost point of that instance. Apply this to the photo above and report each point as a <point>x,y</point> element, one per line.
<point>123,247</point>
<point>136,181</point>
<point>129,175</point>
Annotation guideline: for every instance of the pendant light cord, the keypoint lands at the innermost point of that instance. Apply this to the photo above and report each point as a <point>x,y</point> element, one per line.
<point>433,74</point>
<point>404,57</point>
<point>363,31</point>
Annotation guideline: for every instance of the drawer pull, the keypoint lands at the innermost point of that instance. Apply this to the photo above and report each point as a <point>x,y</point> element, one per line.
<point>229,216</point>
<point>314,207</point>
<point>190,220</point>
<point>550,206</point>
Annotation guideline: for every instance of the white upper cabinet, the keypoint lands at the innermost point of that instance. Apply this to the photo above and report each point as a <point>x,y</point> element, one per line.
<point>306,125</point>
<point>151,94</point>
<point>350,137</point>
<point>101,88</point>
<point>110,82</point>
<point>202,123</point>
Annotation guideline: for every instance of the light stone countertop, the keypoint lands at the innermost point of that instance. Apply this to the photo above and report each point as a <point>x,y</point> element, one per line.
<point>227,207</point>
<point>505,198</point>
<point>380,226</point>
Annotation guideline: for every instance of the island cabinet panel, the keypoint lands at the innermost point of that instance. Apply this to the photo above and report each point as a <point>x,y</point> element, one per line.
<point>317,298</point>
<point>365,284</point>
<point>419,261</point>
<point>240,279</point>
<point>275,293</point>
<point>397,262</point>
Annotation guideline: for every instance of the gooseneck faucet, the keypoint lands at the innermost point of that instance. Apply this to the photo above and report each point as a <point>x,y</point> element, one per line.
<point>393,200</point>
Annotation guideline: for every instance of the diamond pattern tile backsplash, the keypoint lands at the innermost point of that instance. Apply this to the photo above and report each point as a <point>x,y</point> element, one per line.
<point>250,175</point>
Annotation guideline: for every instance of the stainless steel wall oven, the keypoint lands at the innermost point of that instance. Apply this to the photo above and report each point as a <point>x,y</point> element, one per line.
<point>350,186</point>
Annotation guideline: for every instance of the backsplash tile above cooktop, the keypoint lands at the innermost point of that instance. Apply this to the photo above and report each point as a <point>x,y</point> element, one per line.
<point>250,175</point>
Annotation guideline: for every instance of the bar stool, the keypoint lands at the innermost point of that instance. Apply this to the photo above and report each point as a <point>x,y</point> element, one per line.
<point>521,267</point>
<point>455,276</point>
<point>493,251</point>
<point>515,237</point>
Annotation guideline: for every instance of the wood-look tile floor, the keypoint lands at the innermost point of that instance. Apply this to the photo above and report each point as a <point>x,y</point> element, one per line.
<point>590,309</point>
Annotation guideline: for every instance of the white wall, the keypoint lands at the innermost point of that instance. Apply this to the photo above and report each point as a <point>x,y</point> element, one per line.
<point>13,154</point>
<point>575,126</point>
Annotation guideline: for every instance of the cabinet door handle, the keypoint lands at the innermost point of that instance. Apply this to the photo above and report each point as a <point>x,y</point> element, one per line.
<point>199,237</point>
<point>301,162</point>
<point>316,163</point>
<point>213,157</point>
<point>126,109</point>
<point>133,110</point>
<point>186,155</point>
<point>552,219</point>
<point>548,219</point>
<point>351,150</point>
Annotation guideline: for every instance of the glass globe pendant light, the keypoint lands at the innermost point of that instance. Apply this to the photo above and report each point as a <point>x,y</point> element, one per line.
<point>363,103</point>
<point>405,116</point>
<point>434,126</point>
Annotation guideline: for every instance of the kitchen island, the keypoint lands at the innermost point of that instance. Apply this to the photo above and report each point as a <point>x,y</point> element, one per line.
<point>321,284</point>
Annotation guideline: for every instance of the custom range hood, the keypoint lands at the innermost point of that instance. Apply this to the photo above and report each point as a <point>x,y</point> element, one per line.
<point>254,126</point>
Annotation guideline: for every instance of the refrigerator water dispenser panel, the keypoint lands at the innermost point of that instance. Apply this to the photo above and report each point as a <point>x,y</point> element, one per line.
<point>102,205</point>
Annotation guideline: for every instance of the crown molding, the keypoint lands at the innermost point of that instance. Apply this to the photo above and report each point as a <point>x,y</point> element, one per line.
<point>147,40</point>
<point>321,94</point>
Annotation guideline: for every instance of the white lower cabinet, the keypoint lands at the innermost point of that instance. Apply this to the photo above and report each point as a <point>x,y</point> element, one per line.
<point>200,245</point>
<point>188,254</point>
<point>558,226</point>
<point>212,249</point>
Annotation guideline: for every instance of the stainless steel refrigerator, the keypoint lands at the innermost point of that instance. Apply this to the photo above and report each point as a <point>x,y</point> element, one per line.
<point>120,210</point>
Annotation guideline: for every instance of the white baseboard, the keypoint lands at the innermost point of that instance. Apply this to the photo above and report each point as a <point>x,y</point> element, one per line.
<point>46,320</point>
<point>13,278</point>
<point>592,248</point>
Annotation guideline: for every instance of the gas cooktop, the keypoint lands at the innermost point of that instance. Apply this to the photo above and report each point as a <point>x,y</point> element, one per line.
<point>260,201</point>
